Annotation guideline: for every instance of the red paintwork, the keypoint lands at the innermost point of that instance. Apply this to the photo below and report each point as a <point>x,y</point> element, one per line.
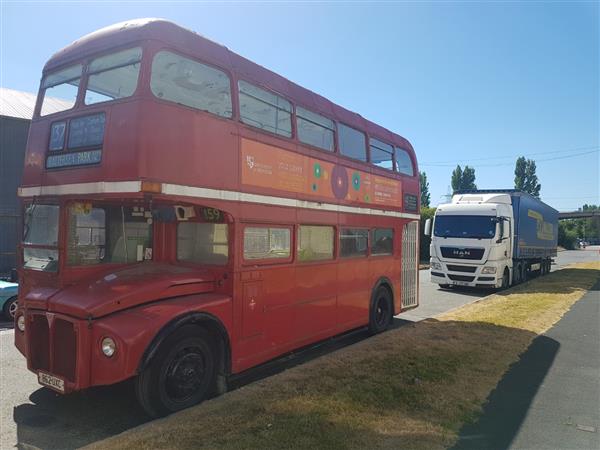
<point>150,139</point>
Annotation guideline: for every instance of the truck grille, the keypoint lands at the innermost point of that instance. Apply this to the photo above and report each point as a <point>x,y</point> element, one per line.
<point>462,252</point>
<point>467,269</point>
<point>460,277</point>
<point>52,346</point>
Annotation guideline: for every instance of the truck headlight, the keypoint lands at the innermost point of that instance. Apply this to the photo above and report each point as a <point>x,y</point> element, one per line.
<point>21,323</point>
<point>108,347</point>
<point>488,269</point>
<point>436,266</point>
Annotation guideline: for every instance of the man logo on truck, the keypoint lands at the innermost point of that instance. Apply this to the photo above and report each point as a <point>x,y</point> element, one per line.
<point>461,253</point>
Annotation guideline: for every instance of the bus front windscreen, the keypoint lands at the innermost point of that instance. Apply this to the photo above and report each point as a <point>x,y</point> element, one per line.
<point>474,227</point>
<point>40,238</point>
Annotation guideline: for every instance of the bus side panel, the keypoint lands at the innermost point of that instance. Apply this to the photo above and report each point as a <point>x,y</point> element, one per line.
<point>355,282</point>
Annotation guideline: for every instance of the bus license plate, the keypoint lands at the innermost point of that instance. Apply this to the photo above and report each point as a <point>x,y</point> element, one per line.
<point>461,283</point>
<point>51,381</point>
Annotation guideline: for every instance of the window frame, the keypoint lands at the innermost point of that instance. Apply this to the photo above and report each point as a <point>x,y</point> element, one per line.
<point>412,162</point>
<point>368,248</point>
<point>372,242</point>
<point>234,99</point>
<point>293,132</point>
<point>42,91</point>
<point>335,249</point>
<point>230,244</point>
<point>87,73</point>
<point>334,149</point>
<point>365,141</point>
<point>267,261</point>
<point>393,153</point>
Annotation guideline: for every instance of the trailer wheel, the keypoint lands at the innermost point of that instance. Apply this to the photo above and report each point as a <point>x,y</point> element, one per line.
<point>182,374</point>
<point>382,311</point>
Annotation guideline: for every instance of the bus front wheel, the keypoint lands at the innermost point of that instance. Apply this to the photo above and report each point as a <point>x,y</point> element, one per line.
<point>182,374</point>
<point>382,311</point>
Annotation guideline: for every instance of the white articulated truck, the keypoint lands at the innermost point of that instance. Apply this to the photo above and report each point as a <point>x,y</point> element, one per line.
<point>491,239</point>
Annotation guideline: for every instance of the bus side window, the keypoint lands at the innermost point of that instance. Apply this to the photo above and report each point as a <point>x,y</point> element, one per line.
<point>403,162</point>
<point>315,243</point>
<point>383,241</point>
<point>352,142</point>
<point>265,110</point>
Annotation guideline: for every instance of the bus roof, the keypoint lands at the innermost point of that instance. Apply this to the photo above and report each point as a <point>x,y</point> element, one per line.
<point>124,33</point>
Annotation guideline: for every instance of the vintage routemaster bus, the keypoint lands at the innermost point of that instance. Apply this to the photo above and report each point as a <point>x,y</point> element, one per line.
<point>191,214</point>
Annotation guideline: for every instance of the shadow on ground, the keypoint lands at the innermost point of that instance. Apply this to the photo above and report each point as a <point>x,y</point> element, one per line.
<point>55,421</point>
<point>507,405</point>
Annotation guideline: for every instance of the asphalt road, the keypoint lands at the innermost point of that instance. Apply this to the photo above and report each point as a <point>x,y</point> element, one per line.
<point>36,417</point>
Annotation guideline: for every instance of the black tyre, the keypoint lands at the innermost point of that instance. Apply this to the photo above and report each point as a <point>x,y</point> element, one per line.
<point>10,308</point>
<point>505,280</point>
<point>182,373</point>
<point>516,274</point>
<point>382,311</point>
<point>524,273</point>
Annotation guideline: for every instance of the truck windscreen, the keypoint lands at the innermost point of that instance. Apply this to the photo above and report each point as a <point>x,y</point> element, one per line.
<point>475,227</point>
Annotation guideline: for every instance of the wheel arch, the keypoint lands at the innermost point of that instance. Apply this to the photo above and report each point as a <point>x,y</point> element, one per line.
<point>200,319</point>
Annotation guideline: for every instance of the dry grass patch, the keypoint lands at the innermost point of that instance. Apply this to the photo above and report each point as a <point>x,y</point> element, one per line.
<point>413,387</point>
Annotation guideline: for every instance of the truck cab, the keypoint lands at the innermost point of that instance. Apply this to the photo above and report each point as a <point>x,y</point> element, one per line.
<point>472,240</point>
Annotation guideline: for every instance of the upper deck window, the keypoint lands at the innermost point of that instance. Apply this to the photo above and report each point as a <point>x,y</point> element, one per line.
<point>113,76</point>
<point>403,162</point>
<point>190,83</point>
<point>352,142</point>
<point>265,110</point>
<point>60,89</point>
<point>382,154</point>
<point>314,129</point>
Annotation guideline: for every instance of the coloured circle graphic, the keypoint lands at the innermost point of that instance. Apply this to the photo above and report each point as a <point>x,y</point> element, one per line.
<point>317,170</point>
<point>339,182</point>
<point>356,181</point>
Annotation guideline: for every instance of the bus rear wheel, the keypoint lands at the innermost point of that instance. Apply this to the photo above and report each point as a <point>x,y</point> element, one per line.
<point>382,311</point>
<point>182,374</point>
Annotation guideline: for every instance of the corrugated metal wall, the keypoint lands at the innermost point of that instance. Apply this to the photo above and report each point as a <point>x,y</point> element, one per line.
<point>13,139</point>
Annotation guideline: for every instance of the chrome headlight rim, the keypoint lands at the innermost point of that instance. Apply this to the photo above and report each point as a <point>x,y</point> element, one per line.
<point>108,346</point>
<point>21,323</point>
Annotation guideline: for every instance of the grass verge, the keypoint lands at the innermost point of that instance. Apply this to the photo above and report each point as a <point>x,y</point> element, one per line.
<point>412,387</point>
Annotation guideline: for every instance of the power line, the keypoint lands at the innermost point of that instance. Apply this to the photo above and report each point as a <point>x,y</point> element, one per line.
<point>489,158</point>
<point>512,162</point>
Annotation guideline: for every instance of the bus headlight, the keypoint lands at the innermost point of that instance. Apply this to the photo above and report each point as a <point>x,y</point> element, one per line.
<point>108,347</point>
<point>21,323</point>
<point>488,270</point>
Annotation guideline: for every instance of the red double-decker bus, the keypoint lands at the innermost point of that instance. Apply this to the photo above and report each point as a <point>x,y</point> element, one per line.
<point>191,214</point>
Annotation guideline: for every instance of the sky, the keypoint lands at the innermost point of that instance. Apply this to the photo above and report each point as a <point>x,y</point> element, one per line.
<point>477,83</point>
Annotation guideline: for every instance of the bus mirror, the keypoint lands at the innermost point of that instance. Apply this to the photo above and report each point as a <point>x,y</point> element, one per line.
<point>427,231</point>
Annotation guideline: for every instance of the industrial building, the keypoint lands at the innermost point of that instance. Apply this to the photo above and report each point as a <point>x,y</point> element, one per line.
<point>16,111</point>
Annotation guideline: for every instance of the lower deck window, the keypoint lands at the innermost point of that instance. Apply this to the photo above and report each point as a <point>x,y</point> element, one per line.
<point>203,243</point>
<point>315,243</point>
<point>353,242</point>
<point>107,234</point>
<point>383,241</point>
<point>266,243</point>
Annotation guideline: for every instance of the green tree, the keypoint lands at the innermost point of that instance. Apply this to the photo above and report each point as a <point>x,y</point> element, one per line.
<point>526,179</point>
<point>463,179</point>
<point>425,196</point>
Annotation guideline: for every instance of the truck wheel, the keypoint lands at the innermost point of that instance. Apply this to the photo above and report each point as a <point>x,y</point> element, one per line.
<point>505,280</point>
<point>10,308</point>
<point>516,274</point>
<point>182,373</point>
<point>382,311</point>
